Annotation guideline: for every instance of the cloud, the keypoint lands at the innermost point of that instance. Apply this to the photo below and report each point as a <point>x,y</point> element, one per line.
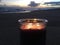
<point>33,4</point>
<point>0,0</point>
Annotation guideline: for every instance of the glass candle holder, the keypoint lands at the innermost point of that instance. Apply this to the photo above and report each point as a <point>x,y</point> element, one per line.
<point>32,31</point>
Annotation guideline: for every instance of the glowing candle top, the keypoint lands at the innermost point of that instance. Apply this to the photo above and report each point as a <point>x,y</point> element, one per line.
<point>32,24</point>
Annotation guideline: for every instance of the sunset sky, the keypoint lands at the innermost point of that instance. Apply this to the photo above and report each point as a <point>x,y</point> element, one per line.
<point>24,2</point>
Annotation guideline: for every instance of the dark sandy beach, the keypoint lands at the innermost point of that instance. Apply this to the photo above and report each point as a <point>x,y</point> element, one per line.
<point>9,30</point>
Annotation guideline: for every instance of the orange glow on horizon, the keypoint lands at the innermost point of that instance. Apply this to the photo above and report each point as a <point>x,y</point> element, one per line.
<point>23,4</point>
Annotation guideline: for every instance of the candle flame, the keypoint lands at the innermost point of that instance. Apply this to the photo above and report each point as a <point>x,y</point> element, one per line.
<point>33,26</point>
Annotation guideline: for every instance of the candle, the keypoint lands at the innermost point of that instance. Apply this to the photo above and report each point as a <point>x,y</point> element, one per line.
<point>33,31</point>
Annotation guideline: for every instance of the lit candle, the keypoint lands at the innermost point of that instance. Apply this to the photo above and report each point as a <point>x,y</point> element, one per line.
<point>32,31</point>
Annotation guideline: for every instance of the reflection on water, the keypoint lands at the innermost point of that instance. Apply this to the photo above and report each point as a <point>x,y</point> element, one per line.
<point>18,12</point>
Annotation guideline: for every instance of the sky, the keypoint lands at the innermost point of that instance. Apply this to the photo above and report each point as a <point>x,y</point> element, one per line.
<point>24,2</point>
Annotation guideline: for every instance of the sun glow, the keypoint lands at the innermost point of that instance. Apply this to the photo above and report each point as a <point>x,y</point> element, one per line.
<point>23,2</point>
<point>26,2</point>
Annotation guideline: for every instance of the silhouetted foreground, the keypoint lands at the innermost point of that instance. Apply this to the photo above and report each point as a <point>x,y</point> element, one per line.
<point>9,27</point>
<point>32,37</point>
